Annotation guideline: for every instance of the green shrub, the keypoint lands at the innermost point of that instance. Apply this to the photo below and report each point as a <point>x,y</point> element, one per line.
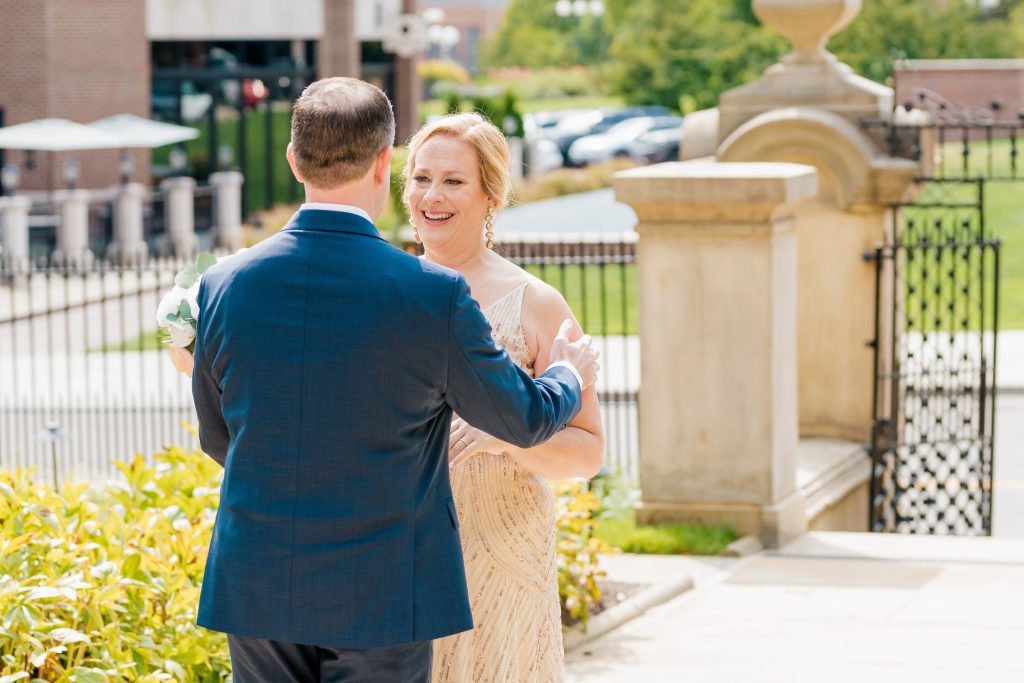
<point>431,70</point>
<point>577,550</point>
<point>670,539</point>
<point>103,584</point>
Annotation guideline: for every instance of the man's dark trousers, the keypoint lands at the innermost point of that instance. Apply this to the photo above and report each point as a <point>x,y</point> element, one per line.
<point>270,661</point>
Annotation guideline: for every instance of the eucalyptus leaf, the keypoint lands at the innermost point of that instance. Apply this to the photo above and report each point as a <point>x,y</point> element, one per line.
<point>184,310</point>
<point>204,261</point>
<point>186,278</point>
<point>172,317</point>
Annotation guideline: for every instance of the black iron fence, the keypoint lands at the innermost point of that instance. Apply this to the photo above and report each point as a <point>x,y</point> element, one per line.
<point>959,150</point>
<point>598,279</point>
<point>935,351</point>
<point>84,379</point>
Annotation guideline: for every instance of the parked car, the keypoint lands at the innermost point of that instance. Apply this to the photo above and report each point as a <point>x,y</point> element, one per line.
<point>657,145</point>
<point>544,156</point>
<point>542,124</point>
<point>615,142</point>
<point>595,121</point>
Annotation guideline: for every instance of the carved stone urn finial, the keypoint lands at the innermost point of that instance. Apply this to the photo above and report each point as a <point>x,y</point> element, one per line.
<point>807,24</point>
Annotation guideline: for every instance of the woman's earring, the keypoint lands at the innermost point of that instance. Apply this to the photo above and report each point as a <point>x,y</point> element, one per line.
<point>489,228</point>
<point>415,232</point>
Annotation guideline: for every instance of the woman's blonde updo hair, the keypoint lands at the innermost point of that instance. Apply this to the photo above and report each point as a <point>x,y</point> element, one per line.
<point>490,145</point>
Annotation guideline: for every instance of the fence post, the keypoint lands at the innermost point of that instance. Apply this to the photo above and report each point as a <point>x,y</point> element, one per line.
<point>73,230</point>
<point>128,247</point>
<point>227,209</point>
<point>179,215</point>
<point>14,232</point>
<point>516,150</point>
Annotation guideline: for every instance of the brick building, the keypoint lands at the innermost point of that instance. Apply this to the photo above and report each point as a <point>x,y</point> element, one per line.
<point>88,59</point>
<point>77,60</point>
<point>967,83</point>
<point>476,20</point>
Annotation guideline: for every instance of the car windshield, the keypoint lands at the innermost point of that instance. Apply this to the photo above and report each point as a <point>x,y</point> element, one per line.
<point>630,128</point>
<point>667,123</point>
<point>578,123</point>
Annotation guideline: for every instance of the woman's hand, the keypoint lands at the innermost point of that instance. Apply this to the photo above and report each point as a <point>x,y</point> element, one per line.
<point>182,360</point>
<point>465,441</point>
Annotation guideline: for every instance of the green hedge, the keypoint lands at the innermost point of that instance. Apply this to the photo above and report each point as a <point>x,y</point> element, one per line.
<point>101,584</point>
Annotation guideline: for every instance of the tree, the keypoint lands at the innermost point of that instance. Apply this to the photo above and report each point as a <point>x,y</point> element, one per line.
<point>664,51</point>
<point>531,35</point>
<point>915,29</point>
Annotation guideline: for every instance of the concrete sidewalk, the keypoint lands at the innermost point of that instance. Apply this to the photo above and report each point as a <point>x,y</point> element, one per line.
<point>829,607</point>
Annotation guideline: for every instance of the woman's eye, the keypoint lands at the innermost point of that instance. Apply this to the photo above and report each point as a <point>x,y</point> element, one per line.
<point>453,181</point>
<point>421,179</point>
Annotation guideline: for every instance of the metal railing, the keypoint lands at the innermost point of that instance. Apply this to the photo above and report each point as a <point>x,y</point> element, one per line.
<point>84,380</point>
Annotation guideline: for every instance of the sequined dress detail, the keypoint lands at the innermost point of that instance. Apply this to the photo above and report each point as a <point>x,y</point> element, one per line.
<point>507,524</point>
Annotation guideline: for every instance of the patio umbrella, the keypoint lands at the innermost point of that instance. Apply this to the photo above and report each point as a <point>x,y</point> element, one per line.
<point>56,135</point>
<point>135,131</point>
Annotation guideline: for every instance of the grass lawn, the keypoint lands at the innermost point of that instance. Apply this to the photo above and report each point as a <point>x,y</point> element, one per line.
<point>673,539</point>
<point>147,341</point>
<point>1004,218</point>
<point>603,298</point>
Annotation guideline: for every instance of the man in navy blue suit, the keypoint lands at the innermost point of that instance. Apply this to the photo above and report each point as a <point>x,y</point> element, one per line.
<point>327,367</point>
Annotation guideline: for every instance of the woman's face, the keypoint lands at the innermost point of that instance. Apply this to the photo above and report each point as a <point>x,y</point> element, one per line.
<point>446,195</point>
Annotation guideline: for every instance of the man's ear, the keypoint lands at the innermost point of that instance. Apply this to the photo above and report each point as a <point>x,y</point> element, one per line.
<point>290,154</point>
<point>382,166</point>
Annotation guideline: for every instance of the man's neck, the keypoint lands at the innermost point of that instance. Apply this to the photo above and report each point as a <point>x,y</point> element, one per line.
<point>353,194</point>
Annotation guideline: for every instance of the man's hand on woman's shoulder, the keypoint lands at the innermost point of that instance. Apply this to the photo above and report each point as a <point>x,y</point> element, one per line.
<point>580,353</point>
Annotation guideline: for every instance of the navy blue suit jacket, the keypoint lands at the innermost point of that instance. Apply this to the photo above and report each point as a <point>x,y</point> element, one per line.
<point>327,366</point>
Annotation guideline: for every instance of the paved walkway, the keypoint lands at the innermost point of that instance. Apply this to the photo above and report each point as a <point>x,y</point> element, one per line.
<point>830,607</point>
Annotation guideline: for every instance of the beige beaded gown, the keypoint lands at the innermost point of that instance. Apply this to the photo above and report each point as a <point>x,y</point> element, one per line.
<point>507,524</point>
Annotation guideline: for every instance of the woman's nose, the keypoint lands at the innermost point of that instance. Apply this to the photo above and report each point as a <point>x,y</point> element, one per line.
<point>433,193</point>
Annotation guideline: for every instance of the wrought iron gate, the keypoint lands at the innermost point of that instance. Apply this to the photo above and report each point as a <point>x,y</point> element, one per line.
<point>936,318</point>
<point>936,323</point>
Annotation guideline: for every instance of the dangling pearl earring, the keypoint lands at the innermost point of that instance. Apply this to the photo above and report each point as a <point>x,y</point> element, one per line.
<point>415,232</point>
<point>489,228</point>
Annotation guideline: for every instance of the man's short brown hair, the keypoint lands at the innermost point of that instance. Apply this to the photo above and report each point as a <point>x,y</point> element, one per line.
<point>339,126</point>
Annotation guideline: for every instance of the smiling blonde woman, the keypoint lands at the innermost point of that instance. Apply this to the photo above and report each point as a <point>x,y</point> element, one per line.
<point>457,179</point>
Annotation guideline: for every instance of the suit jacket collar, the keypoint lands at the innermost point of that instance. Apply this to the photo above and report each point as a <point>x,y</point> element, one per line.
<point>333,221</point>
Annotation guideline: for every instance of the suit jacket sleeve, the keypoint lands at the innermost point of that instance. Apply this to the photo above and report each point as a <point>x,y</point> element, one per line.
<point>213,431</point>
<point>492,393</point>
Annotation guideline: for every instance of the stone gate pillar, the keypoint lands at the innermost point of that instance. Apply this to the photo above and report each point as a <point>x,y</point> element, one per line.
<point>809,109</point>
<point>717,296</point>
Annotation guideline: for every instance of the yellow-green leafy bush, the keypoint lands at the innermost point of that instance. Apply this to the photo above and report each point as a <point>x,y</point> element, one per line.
<point>578,550</point>
<point>102,584</point>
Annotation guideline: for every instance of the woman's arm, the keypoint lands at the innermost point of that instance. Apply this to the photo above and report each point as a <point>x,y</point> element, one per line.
<point>577,450</point>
